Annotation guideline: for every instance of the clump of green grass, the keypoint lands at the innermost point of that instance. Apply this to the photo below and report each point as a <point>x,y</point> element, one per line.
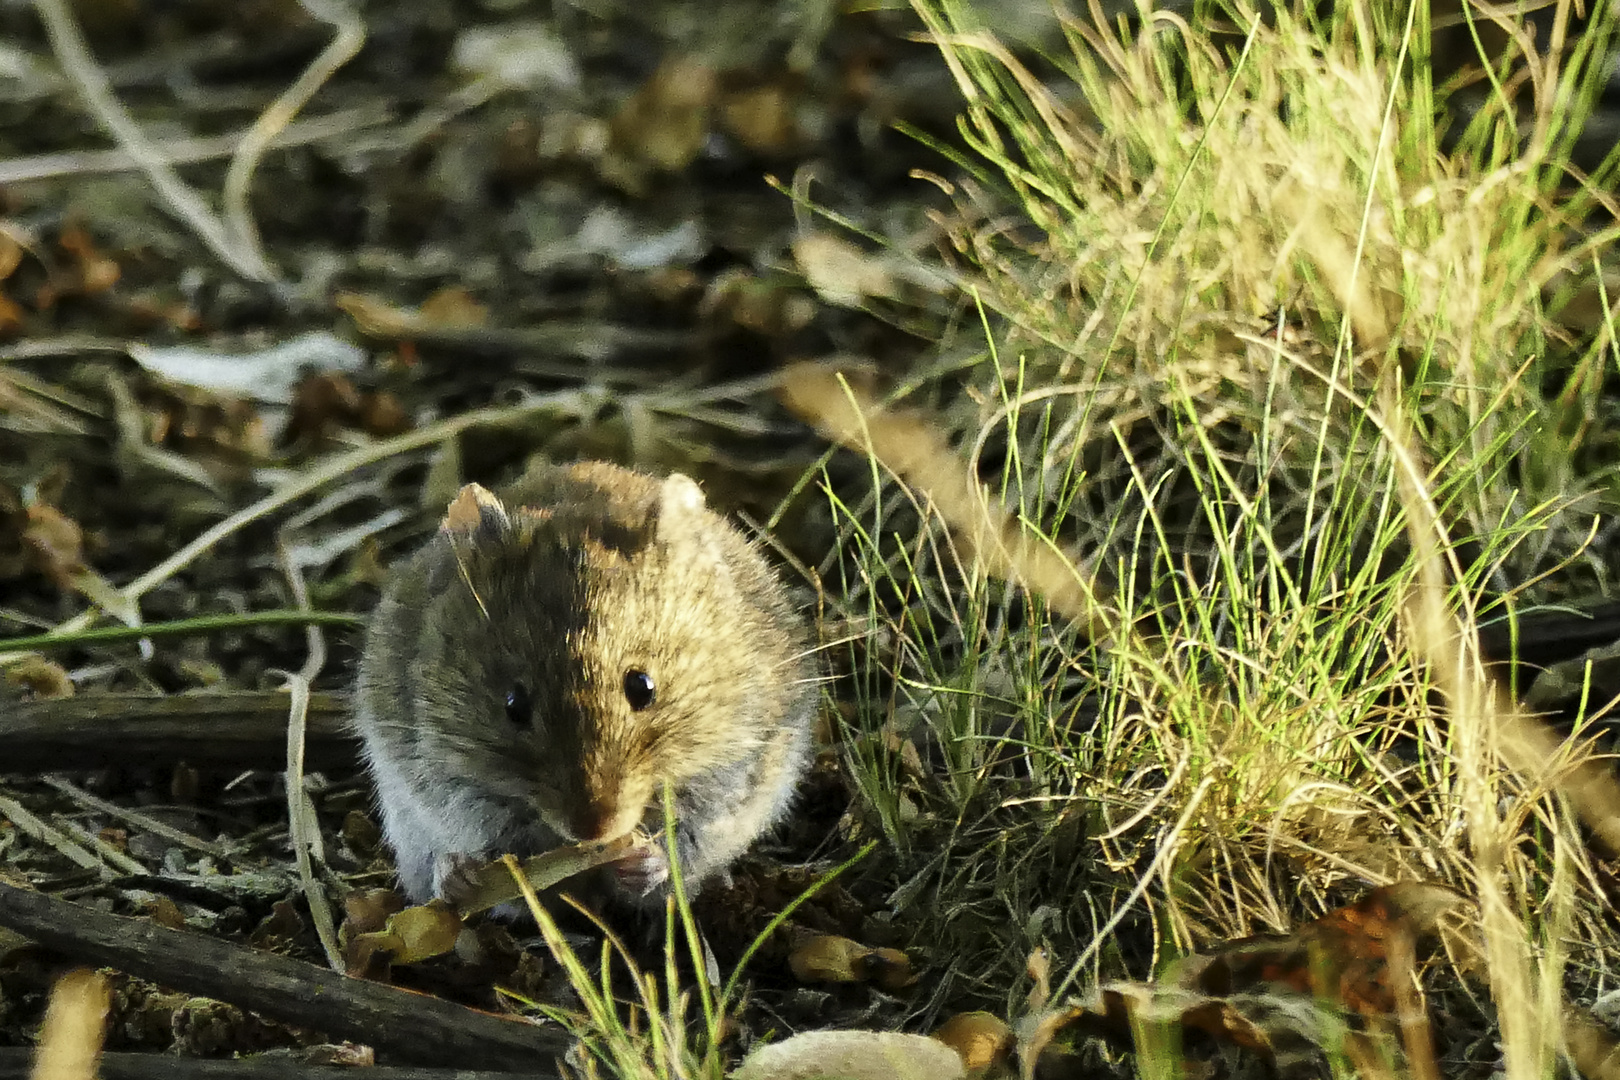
<point>634,1024</point>
<point>1257,255</point>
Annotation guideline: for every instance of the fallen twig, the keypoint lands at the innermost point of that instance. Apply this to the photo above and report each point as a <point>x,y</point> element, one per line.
<point>17,1064</point>
<point>408,1028</point>
<point>240,730</point>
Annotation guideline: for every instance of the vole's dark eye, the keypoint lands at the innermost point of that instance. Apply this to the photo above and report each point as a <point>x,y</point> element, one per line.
<point>519,709</point>
<point>638,689</point>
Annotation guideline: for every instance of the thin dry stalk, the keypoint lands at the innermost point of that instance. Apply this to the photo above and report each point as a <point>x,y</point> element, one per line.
<point>1474,708</point>
<point>302,824</point>
<point>351,34</point>
<point>185,151</point>
<point>187,205</point>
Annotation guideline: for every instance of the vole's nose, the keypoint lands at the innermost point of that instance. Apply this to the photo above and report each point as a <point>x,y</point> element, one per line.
<point>602,819</point>
<point>589,822</point>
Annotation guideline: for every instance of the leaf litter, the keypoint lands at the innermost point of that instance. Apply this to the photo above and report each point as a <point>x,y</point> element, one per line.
<point>516,210</point>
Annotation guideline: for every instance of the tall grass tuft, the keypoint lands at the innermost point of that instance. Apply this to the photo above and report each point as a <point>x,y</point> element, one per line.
<point>1237,274</point>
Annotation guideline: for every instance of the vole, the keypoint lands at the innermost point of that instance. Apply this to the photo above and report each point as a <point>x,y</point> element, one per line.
<point>554,656</point>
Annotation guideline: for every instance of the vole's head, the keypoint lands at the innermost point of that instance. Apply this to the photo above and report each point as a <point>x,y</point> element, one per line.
<point>596,647</point>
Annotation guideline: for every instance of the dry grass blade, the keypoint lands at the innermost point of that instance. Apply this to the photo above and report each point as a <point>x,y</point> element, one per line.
<point>350,35</point>
<point>186,204</point>
<point>494,885</point>
<point>568,402</point>
<point>75,1027</point>
<point>341,122</point>
<point>1481,716</point>
<point>913,449</point>
<point>30,825</point>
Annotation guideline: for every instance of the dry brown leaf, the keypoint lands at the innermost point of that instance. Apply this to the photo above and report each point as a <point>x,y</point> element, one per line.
<point>322,404</point>
<point>91,271</point>
<point>212,431</point>
<point>1283,996</point>
<point>827,958</point>
<point>96,272</point>
<point>830,958</point>
<point>166,912</point>
<point>365,911</point>
<point>11,253</point>
<point>409,937</point>
<point>40,676</point>
<point>982,1040</point>
<point>889,970</point>
<point>663,125</point>
<point>382,415</point>
<point>326,402</point>
<point>377,317</point>
<point>449,308</point>
<point>11,315</point>
<point>840,272</point>
<point>278,928</point>
<point>370,956</point>
<point>428,930</point>
<point>764,118</point>
<point>453,307</point>
<point>55,544</point>
<point>1285,1030</point>
<point>1342,957</point>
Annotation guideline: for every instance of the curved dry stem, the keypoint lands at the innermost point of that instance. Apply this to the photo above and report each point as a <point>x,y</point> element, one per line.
<point>185,203</point>
<point>351,34</point>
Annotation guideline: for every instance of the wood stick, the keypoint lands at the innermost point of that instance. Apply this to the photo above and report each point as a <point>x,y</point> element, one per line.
<point>240,730</point>
<point>17,1064</point>
<point>404,1028</point>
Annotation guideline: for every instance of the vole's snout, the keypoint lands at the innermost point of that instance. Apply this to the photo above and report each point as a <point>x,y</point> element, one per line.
<point>603,819</point>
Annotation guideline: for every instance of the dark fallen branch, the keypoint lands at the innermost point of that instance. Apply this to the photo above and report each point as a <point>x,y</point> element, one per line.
<point>18,1065</point>
<point>403,1028</point>
<point>238,730</point>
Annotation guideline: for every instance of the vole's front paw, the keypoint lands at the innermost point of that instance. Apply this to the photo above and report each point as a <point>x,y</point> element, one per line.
<point>456,876</point>
<point>641,869</point>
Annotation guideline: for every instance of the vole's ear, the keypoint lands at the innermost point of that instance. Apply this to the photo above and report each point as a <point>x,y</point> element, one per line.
<point>680,507</point>
<point>683,522</point>
<point>475,516</point>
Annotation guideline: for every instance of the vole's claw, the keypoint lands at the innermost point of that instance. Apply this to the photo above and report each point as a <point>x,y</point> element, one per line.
<point>457,875</point>
<point>641,869</point>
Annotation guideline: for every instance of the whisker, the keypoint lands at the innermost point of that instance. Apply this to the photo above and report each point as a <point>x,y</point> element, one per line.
<point>823,647</point>
<point>813,680</point>
<point>465,576</point>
